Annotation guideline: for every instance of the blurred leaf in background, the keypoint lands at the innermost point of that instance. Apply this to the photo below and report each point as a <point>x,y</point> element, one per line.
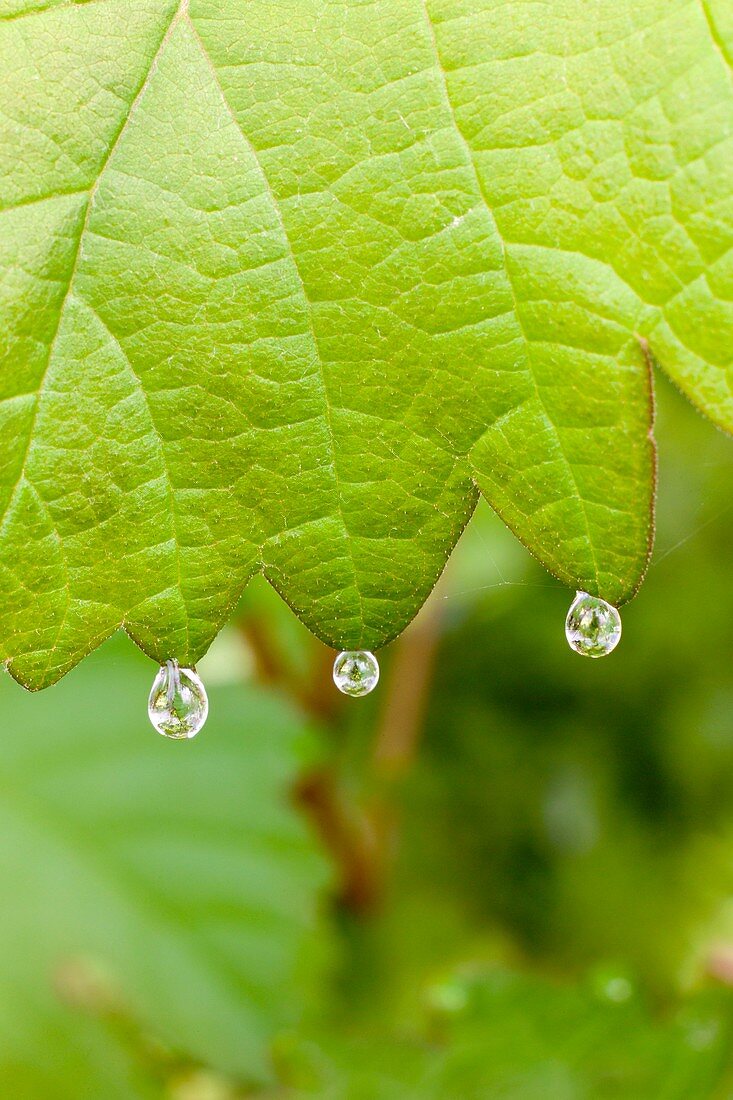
<point>500,1035</point>
<point>177,891</point>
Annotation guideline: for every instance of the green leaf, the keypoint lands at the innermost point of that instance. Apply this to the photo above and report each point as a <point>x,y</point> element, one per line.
<point>179,872</point>
<point>282,286</point>
<point>48,1048</point>
<point>506,1035</point>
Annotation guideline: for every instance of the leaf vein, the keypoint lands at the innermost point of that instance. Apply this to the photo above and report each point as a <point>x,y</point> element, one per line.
<point>163,459</point>
<point>309,313</point>
<point>77,254</point>
<point>482,192</point>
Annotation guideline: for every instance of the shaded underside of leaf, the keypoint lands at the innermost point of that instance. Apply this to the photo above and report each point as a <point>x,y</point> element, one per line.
<point>283,285</point>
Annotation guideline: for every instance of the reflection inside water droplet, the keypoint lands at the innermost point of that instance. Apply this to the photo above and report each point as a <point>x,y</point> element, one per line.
<point>356,672</point>
<point>593,627</point>
<point>178,704</point>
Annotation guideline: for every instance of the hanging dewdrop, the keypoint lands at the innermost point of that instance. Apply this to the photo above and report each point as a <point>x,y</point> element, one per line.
<point>356,672</point>
<point>178,703</point>
<point>593,627</point>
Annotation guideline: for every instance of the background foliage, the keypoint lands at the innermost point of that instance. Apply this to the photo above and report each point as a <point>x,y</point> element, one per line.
<point>509,873</point>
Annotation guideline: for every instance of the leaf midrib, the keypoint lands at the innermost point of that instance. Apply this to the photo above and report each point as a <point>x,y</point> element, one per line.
<point>180,10</point>
<point>163,461</point>
<point>471,164</point>
<point>309,313</point>
<point>717,37</point>
<point>180,14</point>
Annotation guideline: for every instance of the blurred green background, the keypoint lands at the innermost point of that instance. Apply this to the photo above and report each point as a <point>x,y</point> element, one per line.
<point>506,874</point>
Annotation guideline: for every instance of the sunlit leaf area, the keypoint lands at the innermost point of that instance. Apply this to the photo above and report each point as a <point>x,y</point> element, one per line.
<point>286,284</point>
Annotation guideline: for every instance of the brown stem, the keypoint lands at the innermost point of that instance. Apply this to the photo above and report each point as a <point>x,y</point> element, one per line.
<point>398,736</point>
<point>268,663</point>
<point>360,838</point>
<point>313,696</point>
<point>406,701</point>
<point>348,835</point>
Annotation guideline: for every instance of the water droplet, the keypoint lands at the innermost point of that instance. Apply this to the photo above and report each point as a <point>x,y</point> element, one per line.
<point>356,672</point>
<point>448,997</point>
<point>701,1034</point>
<point>178,704</point>
<point>593,627</point>
<point>611,982</point>
<point>619,990</point>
